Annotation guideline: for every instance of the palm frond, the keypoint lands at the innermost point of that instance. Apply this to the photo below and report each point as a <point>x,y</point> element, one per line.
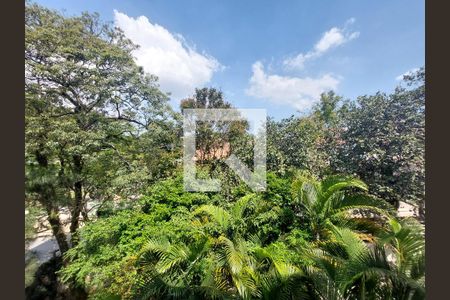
<point>347,203</point>
<point>234,258</point>
<point>336,183</point>
<point>239,207</point>
<point>218,214</point>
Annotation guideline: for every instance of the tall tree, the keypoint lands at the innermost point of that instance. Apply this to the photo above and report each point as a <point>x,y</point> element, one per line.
<point>297,143</point>
<point>382,140</point>
<point>327,108</point>
<point>85,95</point>
<point>305,142</point>
<point>213,138</point>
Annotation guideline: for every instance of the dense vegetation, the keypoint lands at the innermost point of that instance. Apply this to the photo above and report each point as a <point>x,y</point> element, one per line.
<point>99,129</point>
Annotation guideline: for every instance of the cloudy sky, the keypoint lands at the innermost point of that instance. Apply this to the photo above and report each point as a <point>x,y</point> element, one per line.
<point>277,55</point>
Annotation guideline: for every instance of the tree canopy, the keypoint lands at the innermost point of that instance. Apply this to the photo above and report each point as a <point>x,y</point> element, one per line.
<point>104,147</point>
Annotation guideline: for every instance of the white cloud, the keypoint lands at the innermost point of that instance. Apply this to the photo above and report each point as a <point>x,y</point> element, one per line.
<point>350,21</point>
<point>180,68</point>
<point>301,93</point>
<point>330,39</point>
<point>410,72</point>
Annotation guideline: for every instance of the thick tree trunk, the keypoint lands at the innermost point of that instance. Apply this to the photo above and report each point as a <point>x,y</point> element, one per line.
<point>78,201</point>
<point>78,206</point>
<point>57,228</point>
<point>47,199</point>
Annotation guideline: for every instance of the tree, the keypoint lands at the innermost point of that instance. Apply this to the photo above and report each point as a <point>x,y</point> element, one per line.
<point>184,247</point>
<point>297,143</point>
<point>214,138</point>
<point>327,108</point>
<point>216,262</point>
<point>328,203</point>
<point>382,140</point>
<point>161,148</point>
<point>85,97</point>
<point>98,127</point>
<point>391,268</point>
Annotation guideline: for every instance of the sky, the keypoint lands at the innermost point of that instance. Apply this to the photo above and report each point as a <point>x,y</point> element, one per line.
<point>275,55</point>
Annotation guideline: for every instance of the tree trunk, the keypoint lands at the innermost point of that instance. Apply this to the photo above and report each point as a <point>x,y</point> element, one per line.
<point>84,212</point>
<point>78,202</point>
<point>47,198</point>
<point>57,228</point>
<point>78,206</point>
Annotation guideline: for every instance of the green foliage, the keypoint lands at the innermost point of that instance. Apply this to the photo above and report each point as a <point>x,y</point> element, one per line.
<point>296,143</point>
<point>327,108</point>
<point>213,138</point>
<point>32,214</point>
<point>212,266</point>
<point>179,249</point>
<point>98,127</point>
<point>86,102</point>
<point>31,266</point>
<point>169,194</point>
<point>103,260</point>
<point>382,140</point>
<point>327,203</point>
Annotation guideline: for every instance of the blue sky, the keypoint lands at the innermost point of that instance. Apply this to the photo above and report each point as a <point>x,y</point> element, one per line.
<point>277,55</point>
